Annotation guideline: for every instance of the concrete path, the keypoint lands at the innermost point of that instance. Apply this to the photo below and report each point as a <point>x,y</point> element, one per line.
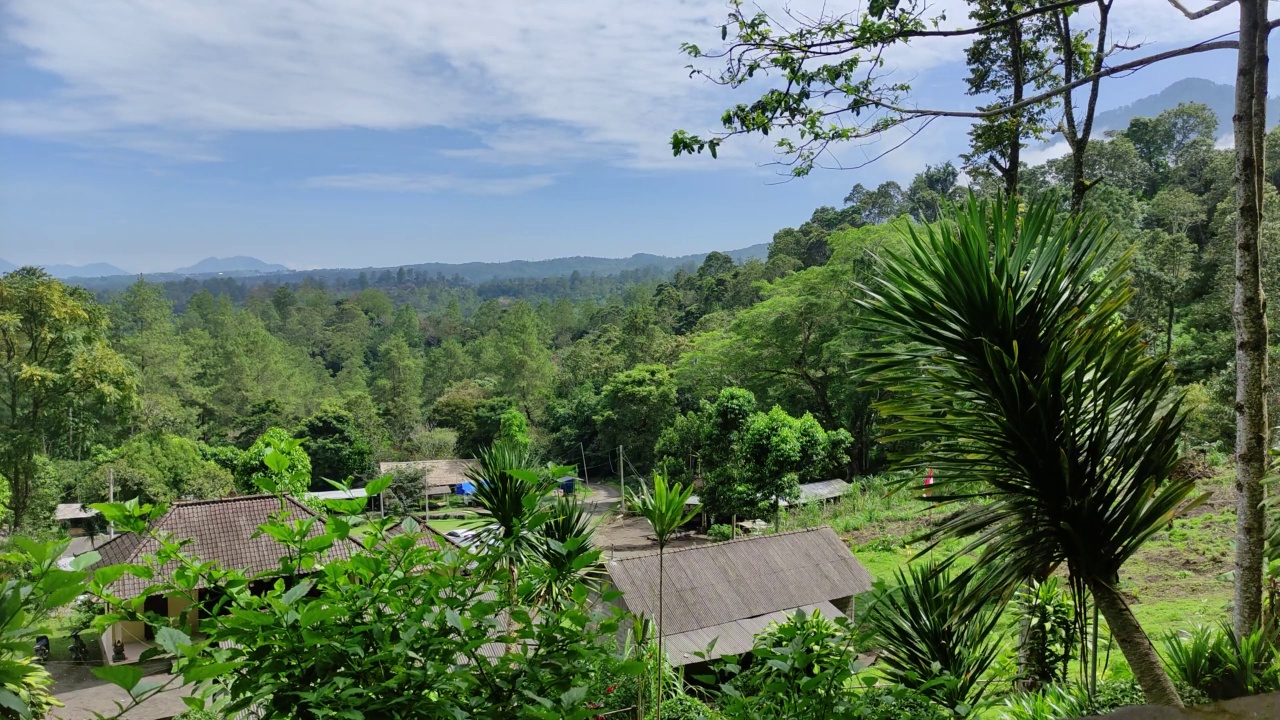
<point>83,703</point>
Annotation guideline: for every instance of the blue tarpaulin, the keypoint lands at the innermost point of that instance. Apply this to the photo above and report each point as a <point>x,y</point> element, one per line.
<point>465,488</point>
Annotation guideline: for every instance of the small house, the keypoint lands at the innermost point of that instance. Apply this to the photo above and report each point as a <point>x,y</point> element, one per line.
<point>731,591</point>
<point>439,477</point>
<point>224,531</point>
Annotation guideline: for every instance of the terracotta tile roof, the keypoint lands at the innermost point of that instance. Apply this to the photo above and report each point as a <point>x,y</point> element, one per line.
<point>440,475</point>
<point>710,585</point>
<point>220,530</point>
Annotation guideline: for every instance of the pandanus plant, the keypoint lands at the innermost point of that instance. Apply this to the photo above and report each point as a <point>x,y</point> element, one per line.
<point>1048,421</point>
<point>666,509</point>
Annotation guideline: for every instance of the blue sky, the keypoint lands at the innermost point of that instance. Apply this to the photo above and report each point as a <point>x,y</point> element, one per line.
<point>153,133</point>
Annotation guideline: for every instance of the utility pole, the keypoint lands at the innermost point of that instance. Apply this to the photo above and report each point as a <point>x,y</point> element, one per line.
<point>111,497</point>
<point>622,480</point>
<point>586,479</point>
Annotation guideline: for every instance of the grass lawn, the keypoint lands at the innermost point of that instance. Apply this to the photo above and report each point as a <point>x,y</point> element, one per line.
<point>1180,578</point>
<point>451,523</point>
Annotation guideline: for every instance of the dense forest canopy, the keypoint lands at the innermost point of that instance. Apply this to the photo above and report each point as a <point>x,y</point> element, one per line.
<point>409,366</point>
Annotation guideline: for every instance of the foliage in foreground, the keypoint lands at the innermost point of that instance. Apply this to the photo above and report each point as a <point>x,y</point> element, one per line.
<point>365,620</point>
<point>32,586</point>
<point>1223,665</point>
<point>938,635</point>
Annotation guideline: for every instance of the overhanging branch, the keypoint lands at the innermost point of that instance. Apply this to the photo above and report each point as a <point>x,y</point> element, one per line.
<point>1207,46</point>
<point>818,49</point>
<point>1221,4</point>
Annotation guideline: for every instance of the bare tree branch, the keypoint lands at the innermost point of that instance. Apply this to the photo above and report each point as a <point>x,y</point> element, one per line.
<point>816,49</point>
<point>1206,46</point>
<point>1221,4</point>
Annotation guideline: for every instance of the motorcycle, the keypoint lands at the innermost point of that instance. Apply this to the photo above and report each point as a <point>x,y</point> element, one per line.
<point>42,648</point>
<point>79,651</point>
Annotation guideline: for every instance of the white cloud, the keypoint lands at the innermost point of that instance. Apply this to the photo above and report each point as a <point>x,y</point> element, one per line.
<point>542,82</point>
<point>419,183</point>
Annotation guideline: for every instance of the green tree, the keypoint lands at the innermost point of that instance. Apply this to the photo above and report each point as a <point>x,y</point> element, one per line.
<point>337,449</point>
<point>145,332</point>
<point>666,510</point>
<point>634,406</point>
<point>1048,408</point>
<point>55,364</point>
<point>32,590</point>
<point>1005,63</point>
<point>295,647</point>
<point>250,472</point>
<point>155,468</point>
<point>397,388</point>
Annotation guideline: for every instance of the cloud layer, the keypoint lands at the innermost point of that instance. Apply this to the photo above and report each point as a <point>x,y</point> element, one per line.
<point>534,83</point>
<point>419,183</point>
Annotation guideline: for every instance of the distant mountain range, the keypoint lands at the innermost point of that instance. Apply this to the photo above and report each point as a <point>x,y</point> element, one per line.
<point>238,264</point>
<point>71,271</point>
<point>252,269</point>
<point>1220,98</point>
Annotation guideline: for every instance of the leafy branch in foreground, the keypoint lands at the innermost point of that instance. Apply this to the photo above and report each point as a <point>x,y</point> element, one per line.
<point>1015,375</point>
<point>392,627</point>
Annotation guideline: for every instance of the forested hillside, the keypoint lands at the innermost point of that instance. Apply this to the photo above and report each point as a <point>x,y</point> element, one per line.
<point>398,366</point>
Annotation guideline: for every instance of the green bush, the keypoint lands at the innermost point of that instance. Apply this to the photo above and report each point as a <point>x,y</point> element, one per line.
<point>685,707</point>
<point>896,702</point>
<point>720,533</point>
<point>1221,665</point>
<point>199,715</point>
<point>1052,702</point>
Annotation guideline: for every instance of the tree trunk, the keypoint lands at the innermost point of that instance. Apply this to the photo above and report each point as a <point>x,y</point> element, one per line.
<point>1015,146</point>
<point>1249,311</point>
<point>1136,646</point>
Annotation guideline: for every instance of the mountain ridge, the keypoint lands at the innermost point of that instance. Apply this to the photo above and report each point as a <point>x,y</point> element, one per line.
<point>1219,97</point>
<point>476,272</point>
<point>236,263</point>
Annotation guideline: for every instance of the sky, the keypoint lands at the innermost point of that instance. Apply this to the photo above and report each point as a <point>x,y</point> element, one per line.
<point>353,133</point>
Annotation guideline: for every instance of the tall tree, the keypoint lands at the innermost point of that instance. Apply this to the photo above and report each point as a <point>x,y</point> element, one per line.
<point>634,407</point>
<point>1006,62</point>
<point>54,361</point>
<point>827,96</point>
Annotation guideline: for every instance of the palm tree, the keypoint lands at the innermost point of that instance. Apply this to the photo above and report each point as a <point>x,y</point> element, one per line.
<point>511,497</point>
<point>566,552</point>
<point>665,509</point>
<point>1009,358</point>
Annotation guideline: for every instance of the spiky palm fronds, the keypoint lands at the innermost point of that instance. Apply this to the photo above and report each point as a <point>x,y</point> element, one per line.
<point>1013,372</point>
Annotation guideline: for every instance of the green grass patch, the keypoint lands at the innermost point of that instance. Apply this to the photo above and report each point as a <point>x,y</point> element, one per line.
<point>1179,579</point>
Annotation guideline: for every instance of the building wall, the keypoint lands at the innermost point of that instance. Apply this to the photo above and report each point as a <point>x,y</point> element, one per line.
<point>133,632</point>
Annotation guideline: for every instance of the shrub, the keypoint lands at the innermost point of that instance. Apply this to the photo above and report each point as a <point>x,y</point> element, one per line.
<point>720,533</point>
<point>938,635</point>
<point>1222,665</point>
<point>686,707</point>
<point>896,702</point>
<point>1052,702</point>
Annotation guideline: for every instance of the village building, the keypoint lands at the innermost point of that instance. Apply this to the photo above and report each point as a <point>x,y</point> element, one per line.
<point>731,591</point>
<point>224,531</point>
<point>439,477</point>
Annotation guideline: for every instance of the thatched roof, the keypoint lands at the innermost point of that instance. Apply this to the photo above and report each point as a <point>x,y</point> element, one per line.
<point>440,475</point>
<point>72,511</point>
<point>220,530</point>
<point>734,589</point>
